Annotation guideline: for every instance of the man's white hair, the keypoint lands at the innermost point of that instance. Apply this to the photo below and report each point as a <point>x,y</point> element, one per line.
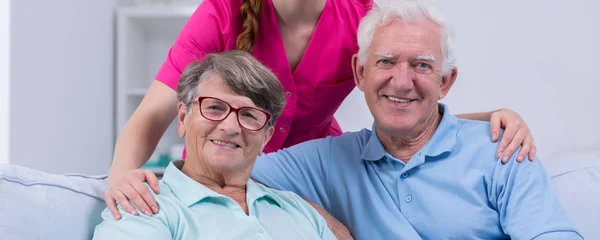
<point>406,11</point>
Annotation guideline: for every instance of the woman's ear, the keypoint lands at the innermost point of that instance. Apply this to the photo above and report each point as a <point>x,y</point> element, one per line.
<point>268,134</point>
<point>181,116</point>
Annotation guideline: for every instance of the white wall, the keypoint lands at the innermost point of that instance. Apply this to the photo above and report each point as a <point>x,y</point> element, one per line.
<point>62,85</point>
<point>537,57</point>
<point>4,79</point>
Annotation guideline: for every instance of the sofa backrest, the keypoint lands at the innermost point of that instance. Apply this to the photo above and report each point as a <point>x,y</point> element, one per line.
<point>38,205</point>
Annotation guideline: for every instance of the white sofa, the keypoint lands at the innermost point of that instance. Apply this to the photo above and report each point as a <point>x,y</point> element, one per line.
<point>576,179</point>
<point>37,205</point>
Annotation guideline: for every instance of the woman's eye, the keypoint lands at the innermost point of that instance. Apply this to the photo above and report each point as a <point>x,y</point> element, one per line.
<point>249,115</point>
<point>215,107</point>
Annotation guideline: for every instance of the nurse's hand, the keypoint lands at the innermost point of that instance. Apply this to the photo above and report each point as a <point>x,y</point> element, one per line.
<point>516,133</point>
<point>130,187</point>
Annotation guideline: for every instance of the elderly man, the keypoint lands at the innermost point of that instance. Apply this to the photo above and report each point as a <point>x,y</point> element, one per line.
<point>420,172</point>
<point>228,104</point>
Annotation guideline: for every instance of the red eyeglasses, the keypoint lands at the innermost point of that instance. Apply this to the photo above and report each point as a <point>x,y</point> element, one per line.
<point>249,118</point>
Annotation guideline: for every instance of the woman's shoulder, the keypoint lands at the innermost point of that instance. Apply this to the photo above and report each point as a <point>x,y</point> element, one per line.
<point>363,2</point>
<point>220,8</point>
<point>210,28</point>
<point>295,205</point>
<point>287,199</point>
<point>280,196</point>
<point>352,5</point>
<point>366,4</point>
<point>167,200</point>
<point>350,12</point>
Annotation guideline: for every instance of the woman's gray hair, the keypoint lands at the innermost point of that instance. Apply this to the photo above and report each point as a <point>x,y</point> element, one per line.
<point>406,11</point>
<point>242,73</point>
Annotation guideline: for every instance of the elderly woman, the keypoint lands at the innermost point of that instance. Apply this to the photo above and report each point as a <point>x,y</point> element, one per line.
<point>228,104</point>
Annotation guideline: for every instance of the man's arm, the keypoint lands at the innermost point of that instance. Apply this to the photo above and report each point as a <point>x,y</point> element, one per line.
<point>528,208</point>
<point>301,169</point>
<point>131,227</point>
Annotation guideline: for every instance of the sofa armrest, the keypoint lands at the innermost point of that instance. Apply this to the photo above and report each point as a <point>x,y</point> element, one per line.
<point>38,205</point>
<point>576,180</point>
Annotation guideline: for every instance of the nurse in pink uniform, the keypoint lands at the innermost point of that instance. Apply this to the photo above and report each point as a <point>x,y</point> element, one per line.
<point>308,44</point>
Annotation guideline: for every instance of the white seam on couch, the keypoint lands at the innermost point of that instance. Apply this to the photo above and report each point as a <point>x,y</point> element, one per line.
<point>48,184</point>
<point>571,171</point>
<point>99,177</point>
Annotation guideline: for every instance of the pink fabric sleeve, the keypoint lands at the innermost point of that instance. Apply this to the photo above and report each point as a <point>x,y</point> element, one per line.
<point>205,32</point>
<point>367,4</point>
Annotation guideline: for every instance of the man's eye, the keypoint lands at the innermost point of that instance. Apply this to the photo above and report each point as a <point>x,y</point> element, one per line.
<point>423,65</point>
<point>384,61</point>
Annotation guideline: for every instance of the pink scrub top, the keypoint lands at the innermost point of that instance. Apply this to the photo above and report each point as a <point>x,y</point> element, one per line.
<point>314,91</point>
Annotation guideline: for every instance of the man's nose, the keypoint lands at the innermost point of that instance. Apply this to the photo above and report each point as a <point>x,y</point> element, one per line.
<point>403,77</point>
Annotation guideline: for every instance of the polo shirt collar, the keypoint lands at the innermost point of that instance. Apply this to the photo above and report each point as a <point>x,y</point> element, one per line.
<point>190,192</point>
<point>442,141</point>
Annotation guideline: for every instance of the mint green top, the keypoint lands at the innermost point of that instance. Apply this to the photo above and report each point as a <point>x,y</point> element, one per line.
<point>189,210</point>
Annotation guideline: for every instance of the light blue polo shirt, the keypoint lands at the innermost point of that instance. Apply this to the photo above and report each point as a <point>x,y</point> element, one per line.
<point>453,188</point>
<point>189,210</point>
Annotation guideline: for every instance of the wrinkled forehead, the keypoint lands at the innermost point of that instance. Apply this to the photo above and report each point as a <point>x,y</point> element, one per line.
<point>418,37</point>
<point>214,86</point>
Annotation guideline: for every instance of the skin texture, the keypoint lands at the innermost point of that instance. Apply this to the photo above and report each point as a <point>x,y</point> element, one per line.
<point>297,20</point>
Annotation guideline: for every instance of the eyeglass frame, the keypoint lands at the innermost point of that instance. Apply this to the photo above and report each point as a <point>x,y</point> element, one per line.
<point>232,109</point>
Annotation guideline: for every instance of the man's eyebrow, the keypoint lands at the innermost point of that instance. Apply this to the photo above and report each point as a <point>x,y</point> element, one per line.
<point>384,55</point>
<point>425,58</point>
<point>428,58</point>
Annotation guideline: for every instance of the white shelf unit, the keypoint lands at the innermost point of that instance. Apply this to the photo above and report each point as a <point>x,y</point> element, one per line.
<point>143,38</point>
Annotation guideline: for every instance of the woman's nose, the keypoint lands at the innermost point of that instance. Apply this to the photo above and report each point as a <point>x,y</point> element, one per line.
<point>230,124</point>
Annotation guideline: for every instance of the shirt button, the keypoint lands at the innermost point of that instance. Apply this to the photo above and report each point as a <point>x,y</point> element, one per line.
<point>282,129</point>
<point>419,154</point>
<point>289,94</point>
<point>405,175</point>
<point>260,231</point>
<point>408,199</point>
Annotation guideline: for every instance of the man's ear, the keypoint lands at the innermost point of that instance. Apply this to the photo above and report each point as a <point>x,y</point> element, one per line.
<point>268,135</point>
<point>447,82</point>
<point>181,114</point>
<point>359,72</point>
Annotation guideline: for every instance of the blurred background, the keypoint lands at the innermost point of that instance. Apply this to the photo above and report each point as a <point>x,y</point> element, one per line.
<point>72,72</point>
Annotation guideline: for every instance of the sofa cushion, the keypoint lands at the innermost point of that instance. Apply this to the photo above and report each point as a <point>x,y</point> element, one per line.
<point>576,180</point>
<point>38,205</point>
